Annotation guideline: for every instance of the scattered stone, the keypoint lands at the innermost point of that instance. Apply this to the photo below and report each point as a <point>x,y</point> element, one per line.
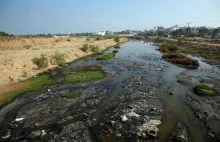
<point>180,133</point>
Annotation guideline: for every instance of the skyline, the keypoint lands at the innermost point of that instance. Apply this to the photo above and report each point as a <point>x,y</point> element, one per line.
<point>54,16</point>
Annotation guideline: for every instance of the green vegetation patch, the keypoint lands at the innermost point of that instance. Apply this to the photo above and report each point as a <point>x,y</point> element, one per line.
<point>181,59</point>
<point>73,94</point>
<point>117,46</point>
<point>108,56</point>
<point>203,90</point>
<point>85,76</point>
<point>36,83</point>
<point>158,39</point>
<point>168,47</point>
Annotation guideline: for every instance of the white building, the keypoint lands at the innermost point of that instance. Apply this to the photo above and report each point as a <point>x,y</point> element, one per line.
<point>176,27</point>
<point>102,33</point>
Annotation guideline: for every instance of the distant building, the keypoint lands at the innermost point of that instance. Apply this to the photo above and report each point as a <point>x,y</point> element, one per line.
<point>174,28</point>
<point>160,28</point>
<point>102,33</point>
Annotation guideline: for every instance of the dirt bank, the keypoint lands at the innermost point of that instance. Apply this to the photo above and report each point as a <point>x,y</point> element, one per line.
<point>209,49</point>
<point>16,54</point>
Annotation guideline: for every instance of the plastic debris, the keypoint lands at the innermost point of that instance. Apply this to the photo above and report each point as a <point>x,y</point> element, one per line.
<point>130,114</point>
<point>123,118</point>
<point>151,127</point>
<point>19,119</point>
<point>43,133</point>
<point>7,135</point>
<point>147,117</point>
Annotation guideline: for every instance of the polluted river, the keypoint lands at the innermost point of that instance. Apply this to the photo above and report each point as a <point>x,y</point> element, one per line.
<point>141,98</point>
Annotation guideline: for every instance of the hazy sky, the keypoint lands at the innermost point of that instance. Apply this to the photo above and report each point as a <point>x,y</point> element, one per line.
<point>61,16</point>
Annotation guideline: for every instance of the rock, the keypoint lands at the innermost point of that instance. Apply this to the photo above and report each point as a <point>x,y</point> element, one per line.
<point>180,133</point>
<point>34,134</point>
<point>171,93</point>
<point>36,124</point>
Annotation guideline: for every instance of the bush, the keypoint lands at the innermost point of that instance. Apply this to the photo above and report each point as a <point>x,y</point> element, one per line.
<point>94,49</point>
<point>116,39</point>
<point>85,47</point>
<point>27,46</point>
<point>24,74</point>
<point>68,39</point>
<point>98,38</point>
<point>168,47</point>
<point>58,58</point>
<point>87,39</point>
<point>203,90</point>
<point>41,62</point>
<point>158,40</point>
<point>179,42</point>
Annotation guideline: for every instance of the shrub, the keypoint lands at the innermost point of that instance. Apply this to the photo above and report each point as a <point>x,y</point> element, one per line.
<point>58,58</point>
<point>179,42</point>
<point>203,90</point>
<point>116,39</point>
<point>168,47</point>
<point>85,47</point>
<point>27,46</point>
<point>98,38</point>
<point>41,62</point>
<point>158,40</point>
<point>87,39</point>
<point>94,49</point>
<point>24,74</point>
<point>68,39</point>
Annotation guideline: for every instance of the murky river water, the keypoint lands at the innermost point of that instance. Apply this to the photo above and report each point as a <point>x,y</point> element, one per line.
<point>134,59</point>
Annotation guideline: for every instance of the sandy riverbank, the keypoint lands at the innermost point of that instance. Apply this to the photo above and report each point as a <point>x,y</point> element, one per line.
<point>16,55</point>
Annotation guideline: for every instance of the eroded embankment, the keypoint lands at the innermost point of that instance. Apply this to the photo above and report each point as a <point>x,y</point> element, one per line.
<point>17,64</point>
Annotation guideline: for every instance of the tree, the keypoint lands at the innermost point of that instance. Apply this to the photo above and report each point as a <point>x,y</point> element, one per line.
<point>3,34</point>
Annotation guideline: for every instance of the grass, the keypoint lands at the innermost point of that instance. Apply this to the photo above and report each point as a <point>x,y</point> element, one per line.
<point>108,56</point>
<point>41,62</point>
<point>85,76</point>
<point>34,84</point>
<point>85,47</point>
<point>180,59</point>
<point>75,60</point>
<point>117,46</point>
<point>168,47</point>
<point>158,40</point>
<point>58,58</point>
<point>73,94</point>
<point>203,90</point>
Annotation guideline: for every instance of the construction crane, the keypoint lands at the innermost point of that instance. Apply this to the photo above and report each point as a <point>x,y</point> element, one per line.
<point>189,23</point>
